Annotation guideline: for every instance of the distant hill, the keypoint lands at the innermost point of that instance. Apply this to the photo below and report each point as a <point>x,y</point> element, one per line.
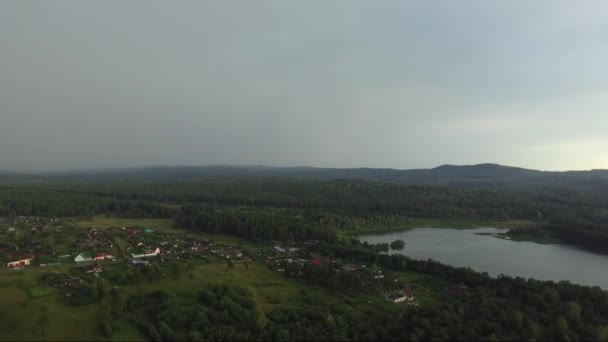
<point>481,175</point>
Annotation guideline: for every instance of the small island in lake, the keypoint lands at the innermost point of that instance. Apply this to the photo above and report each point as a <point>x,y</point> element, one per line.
<point>397,245</point>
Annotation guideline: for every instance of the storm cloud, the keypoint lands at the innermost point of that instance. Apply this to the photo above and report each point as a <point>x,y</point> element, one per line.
<point>401,84</point>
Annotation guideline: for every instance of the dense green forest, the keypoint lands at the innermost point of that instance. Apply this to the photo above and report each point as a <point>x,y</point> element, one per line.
<point>47,202</point>
<point>361,196</point>
<point>263,208</point>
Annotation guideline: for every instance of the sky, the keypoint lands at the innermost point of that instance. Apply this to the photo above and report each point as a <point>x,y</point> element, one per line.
<point>330,83</point>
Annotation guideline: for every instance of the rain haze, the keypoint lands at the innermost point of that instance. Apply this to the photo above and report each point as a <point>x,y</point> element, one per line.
<point>400,84</point>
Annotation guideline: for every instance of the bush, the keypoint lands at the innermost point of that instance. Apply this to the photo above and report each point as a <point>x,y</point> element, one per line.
<point>106,329</point>
<point>38,292</point>
<point>165,332</point>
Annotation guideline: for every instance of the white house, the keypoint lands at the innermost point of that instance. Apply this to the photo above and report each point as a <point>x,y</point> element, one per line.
<point>396,298</point>
<point>136,262</point>
<point>149,253</point>
<point>405,295</point>
<point>104,256</point>
<point>82,258</point>
<point>23,262</point>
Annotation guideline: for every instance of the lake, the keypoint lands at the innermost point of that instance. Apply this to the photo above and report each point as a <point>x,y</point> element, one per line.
<point>486,253</point>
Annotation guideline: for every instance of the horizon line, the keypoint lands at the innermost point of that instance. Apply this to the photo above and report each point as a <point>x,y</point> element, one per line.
<point>150,166</point>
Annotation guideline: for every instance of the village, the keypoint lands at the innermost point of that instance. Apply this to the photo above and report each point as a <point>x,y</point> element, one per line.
<point>39,242</point>
<point>89,251</point>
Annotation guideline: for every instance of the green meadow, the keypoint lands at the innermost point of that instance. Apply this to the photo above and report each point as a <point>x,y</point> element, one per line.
<point>24,295</point>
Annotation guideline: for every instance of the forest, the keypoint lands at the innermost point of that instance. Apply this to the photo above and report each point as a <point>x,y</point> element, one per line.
<point>509,309</point>
<point>280,208</point>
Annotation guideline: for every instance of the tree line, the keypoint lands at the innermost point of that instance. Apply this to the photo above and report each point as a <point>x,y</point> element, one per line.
<point>284,208</point>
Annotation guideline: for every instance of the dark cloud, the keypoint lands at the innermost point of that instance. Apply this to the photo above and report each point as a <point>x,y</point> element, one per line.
<point>343,83</point>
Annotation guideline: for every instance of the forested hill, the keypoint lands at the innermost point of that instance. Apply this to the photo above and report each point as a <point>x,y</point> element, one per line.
<point>482,175</point>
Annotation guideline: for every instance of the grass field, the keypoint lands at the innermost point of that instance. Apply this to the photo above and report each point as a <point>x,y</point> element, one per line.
<point>127,332</point>
<point>20,304</point>
<point>270,289</point>
<point>162,225</point>
<point>39,292</point>
<point>104,222</point>
<point>19,310</point>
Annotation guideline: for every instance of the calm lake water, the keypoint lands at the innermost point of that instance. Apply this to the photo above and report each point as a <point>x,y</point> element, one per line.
<point>485,253</point>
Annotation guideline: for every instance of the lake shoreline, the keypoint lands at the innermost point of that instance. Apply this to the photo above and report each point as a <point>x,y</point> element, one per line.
<point>446,223</point>
<point>489,250</point>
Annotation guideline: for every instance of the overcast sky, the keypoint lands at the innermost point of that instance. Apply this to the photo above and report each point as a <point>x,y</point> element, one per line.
<point>378,83</point>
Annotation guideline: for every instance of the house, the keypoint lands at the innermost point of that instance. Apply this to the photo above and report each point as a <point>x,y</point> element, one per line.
<point>407,292</point>
<point>398,298</point>
<point>138,263</point>
<point>279,249</point>
<point>458,289</point>
<point>404,295</point>
<point>22,262</point>
<point>82,258</point>
<point>350,268</point>
<point>379,275</point>
<point>147,253</point>
<point>104,256</point>
<point>395,298</point>
<point>96,268</point>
